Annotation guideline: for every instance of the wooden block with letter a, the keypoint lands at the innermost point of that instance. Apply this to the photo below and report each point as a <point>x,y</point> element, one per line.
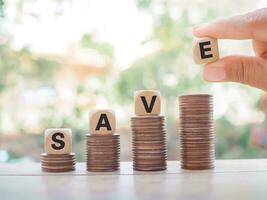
<point>147,102</point>
<point>102,122</point>
<point>205,50</point>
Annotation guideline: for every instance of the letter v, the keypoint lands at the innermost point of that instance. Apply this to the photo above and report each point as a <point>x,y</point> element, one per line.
<point>148,108</point>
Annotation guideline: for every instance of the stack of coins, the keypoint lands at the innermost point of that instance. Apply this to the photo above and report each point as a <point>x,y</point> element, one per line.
<point>102,144</point>
<point>148,132</point>
<point>58,156</point>
<point>149,146</point>
<point>58,162</point>
<point>103,152</point>
<point>196,132</point>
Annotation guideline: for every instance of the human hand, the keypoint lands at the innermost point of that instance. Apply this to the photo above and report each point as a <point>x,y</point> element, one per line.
<point>250,70</point>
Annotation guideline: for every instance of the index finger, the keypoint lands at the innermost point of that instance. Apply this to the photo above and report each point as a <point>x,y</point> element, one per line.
<point>252,25</point>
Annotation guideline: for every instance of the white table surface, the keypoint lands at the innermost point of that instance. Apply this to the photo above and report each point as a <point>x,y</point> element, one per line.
<point>231,179</point>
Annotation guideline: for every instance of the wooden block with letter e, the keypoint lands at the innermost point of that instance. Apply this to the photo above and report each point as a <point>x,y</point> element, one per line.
<point>147,102</point>
<point>58,141</point>
<point>102,122</point>
<point>205,50</point>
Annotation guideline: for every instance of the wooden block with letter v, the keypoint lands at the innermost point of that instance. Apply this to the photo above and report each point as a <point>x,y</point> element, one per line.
<point>58,156</point>
<point>205,50</point>
<point>147,102</point>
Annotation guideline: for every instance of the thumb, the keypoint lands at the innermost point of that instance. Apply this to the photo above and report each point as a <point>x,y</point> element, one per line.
<point>243,69</point>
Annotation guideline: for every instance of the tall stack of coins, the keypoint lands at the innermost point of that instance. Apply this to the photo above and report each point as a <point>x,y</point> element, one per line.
<point>149,148</point>
<point>148,133</point>
<point>196,132</point>
<point>58,156</point>
<point>102,144</point>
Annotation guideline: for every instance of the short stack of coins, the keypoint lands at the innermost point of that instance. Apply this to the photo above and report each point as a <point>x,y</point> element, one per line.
<point>148,133</point>
<point>58,163</point>
<point>58,156</point>
<point>102,144</point>
<point>196,132</point>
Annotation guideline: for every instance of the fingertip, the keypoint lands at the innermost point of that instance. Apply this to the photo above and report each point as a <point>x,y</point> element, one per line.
<point>196,32</point>
<point>200,30</point>
<point>264,55</point>
<point>214,72</point>
<point>217,63</point>
<point>203,75</point>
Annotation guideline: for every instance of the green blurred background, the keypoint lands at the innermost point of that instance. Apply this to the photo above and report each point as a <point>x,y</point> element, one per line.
<point>61,58</point>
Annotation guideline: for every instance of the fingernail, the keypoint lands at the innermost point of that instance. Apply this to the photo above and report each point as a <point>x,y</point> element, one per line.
<point>214,74</point>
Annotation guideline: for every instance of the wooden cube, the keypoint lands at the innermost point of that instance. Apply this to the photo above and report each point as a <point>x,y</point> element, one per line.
<point>102,122</point>
<point>205,50</point>
<point>58,141</point>
<point>147,102</point>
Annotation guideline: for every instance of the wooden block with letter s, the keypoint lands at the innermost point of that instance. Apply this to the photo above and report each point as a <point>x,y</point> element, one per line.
<point>205,50</point>
<point>58,141</point>
<point>147,102</point>
<point>102,122</point>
